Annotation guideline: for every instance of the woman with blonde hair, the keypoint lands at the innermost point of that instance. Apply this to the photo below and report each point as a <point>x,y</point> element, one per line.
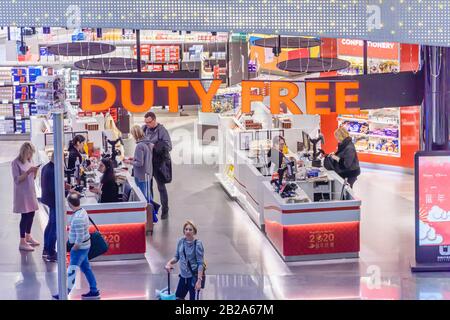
<point>190,254</point>
<point>143,170</point>
<point>25,200</point>
<point>345,160</point>
<point>142,160</point>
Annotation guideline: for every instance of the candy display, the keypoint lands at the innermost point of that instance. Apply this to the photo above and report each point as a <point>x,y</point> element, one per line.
<point>383,66</point>
<point>378,132</point>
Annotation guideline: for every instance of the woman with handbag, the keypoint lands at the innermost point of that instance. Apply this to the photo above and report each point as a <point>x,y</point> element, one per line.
<point>190,254</point>
<point>80,238</point>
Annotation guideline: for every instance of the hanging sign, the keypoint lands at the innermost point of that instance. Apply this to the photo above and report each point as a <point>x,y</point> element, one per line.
<point>138,92</point>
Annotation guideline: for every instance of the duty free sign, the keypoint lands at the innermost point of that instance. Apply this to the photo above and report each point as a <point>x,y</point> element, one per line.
<point>138,92</point>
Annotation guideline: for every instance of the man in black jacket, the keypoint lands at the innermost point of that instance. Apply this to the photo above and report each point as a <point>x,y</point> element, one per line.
<point>48,198</point>
<point>160,138</point>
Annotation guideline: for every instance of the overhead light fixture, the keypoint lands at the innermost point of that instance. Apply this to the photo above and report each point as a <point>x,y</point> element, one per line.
<point>277,49</point>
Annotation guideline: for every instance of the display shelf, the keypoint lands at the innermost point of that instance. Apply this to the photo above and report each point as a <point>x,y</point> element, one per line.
<point>133,42</point>
<point>353,119</point>
<point>372,135</point>
<point>384,122</point>
<point>381,153</point>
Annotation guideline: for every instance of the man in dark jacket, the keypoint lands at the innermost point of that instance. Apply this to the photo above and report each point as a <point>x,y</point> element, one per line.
<point>158,135</point>
<point>48,198</point>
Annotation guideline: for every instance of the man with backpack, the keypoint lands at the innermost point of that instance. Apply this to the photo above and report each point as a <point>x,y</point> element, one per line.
<point>162,164</point>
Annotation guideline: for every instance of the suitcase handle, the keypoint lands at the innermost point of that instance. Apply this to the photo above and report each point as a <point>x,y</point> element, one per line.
<point>168,282</point>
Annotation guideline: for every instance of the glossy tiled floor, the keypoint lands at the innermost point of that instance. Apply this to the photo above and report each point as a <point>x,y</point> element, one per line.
<point>241,262</point>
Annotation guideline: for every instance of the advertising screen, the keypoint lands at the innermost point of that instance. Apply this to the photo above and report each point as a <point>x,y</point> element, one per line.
<point>433,207</point>
<point>434,200</point>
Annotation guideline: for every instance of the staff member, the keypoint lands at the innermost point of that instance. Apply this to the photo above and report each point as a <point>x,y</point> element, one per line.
<point>346,161</point>
<point>76,146</point>
<point>275,155</point>
<point>158,136</point>
<point>109,190</point>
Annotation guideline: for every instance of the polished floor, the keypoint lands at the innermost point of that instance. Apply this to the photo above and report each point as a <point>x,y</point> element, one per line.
<point>241,262</point>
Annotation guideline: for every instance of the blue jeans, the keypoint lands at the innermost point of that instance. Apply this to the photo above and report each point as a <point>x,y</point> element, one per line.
<point>79,258</point>
<point>144,188</point>
<point>186,285</point>
<point>50,233</point>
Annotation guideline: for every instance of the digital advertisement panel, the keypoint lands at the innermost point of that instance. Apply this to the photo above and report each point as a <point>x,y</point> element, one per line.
<point>432,207</point>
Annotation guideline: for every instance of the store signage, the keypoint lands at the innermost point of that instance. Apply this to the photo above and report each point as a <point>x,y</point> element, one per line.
<point>138,92</point>
<point>432,208</point>
<point>336,94</point>
<point>380,50</point>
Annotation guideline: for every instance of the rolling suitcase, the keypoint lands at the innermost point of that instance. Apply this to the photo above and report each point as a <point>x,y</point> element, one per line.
<point>165,294</point>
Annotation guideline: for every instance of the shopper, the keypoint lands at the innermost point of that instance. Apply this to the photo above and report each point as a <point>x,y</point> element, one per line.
<point>109,190</point>
<point>25,200</point>
<point>162,168</point>
<point>48,198</point>
<point>190,254</point>
<point>76,146</point>
<point>80,238</point>
<point>345,160</point>
<point>142,160</point>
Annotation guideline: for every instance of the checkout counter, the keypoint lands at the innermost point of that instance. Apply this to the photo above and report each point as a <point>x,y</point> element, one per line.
<point>122,224</point>
<point>317,220</point>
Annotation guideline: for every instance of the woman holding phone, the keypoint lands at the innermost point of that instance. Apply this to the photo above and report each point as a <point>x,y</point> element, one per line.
<point>25,200</point>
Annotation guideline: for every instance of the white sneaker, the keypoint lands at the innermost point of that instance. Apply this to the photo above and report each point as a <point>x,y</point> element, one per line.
<point>26,247</point>
<point>33,242</point>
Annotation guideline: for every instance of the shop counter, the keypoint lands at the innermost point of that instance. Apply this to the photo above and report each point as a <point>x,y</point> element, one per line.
<point>311,230</point>
<point>248,180</point>
<point>122,224</point>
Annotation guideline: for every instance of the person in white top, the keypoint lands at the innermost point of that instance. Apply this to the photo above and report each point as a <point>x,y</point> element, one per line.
<point>79,237</point>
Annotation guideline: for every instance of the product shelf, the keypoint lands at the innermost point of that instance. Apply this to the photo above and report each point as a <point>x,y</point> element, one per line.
<point>372,135</point>
<point>362,120</point>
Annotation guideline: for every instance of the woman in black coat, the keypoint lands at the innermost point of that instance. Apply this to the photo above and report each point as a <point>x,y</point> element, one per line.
<point>345,160</point>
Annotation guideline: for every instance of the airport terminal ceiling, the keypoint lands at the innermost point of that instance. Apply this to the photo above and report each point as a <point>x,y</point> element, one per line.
<point>406,21</point>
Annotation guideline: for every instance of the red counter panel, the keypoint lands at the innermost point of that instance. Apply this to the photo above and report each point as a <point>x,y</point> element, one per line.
<point>296,240</point>
<point>123,238</point>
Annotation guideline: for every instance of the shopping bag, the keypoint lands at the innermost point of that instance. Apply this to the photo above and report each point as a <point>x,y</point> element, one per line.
<point>98,244</point>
